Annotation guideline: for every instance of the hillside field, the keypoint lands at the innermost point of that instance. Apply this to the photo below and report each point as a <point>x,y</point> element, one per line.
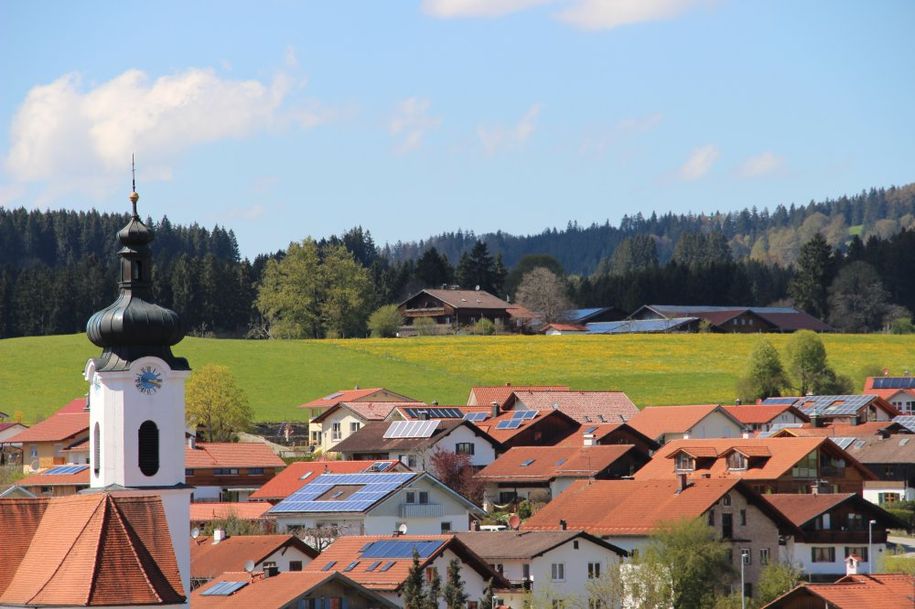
<point>40,374</point>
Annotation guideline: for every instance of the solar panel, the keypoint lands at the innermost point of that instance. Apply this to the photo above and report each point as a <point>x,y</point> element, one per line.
<point>894,382</point>
<point>411,429</point>
<point>834,405</point>
<point>329,566</point>
<point>224,589</point>
<point>524,415</point>
<point>377,466</point>
<point>526,462</point>
<point>434,413</point>
<point>374,487</point>
<point>510,424</point>
<point>476,417</point>
<point>332,396</point>
<point>66,469</point>
<point>351,566</point>
<point>907,421</point>
<point>373,566</point>
<point>387,565</point>
<point>400,549</point>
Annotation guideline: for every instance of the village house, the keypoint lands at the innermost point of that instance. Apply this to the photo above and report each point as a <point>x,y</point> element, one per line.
<point>526,427</point>
<point>892,460</point>
<point>832,409</point>
<point>456,308</point>
<point>737,319</point>
<point>554,564</point>
<point>10,453</point>
<point>213,513</point>
<point>213,556</point>
<point>626,513</point>
<point>897,390</point>
<point>855,591</point>
<point>228,471</point>
<point>665,423</point>
<point>381,563</point>
<point>768,465</point>
<point>333,505</point>
<point>501,394</point>
<point>57,481</point>
<point>299,473</point>
<point>760,418</point>
<point>540,473</point>
<point>583,406</point>
<point>606,434</point>
<point>289,590</point>
<point>829,529</point>
<point>415,442</point>
<point>44,444</point>
<point>343,420</point>
<point>369,394</point>
<point>839,432</point>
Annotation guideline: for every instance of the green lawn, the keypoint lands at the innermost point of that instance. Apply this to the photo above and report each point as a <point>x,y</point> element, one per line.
<point>39,374</point>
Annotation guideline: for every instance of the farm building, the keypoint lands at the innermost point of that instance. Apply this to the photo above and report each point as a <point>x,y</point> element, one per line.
<point>456,308</point>
<point>736,319</point>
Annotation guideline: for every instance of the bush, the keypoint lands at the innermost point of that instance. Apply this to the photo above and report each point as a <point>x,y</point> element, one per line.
<point>902,326</point>
<point>385,321</point>
<point>424,326</point>
<point>484,327</point>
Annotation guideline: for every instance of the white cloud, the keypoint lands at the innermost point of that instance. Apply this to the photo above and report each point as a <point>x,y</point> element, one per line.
<point>762,164</point>
<point>699,163</point>
<point>494,139</point>
<point>640,124</point>
<point>449,9</point>
<point>75,139</point>
<point>411,122</point>
<point>609,14</point>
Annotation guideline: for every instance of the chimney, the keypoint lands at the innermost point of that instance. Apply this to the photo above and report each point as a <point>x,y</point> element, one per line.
<point>434,403</point>
<point>218,535</point>
<point>423,415</point>
<point>192,440</point>
<point>563,525</point>
<point>737,402</point>
<point>271,571</point>
<point>815,420</point>
<point>746,434</point>
<point>682,482</point>
<point>589,439</point>
<point>495,409</point>
<point>815,488</point>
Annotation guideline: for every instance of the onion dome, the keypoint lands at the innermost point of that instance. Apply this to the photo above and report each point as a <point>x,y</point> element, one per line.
<point>133,327</point>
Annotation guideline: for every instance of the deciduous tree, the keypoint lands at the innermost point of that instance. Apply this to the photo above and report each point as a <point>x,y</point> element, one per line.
<point>765,375</point>
<point>545,293</point>
<point>385,321</point>
<point>214,400</point>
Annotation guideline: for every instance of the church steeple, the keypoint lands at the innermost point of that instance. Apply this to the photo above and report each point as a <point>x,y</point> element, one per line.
<point>132,327</point>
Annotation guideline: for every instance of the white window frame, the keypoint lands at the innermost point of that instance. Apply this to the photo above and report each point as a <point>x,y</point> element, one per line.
<point>558,572</point>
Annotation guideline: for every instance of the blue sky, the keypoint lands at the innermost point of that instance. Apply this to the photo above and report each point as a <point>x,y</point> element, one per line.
<point>286,119</point>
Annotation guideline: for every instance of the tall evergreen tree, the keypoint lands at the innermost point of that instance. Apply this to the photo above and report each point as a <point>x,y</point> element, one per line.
<point>412,593</point>
<point>433,270</point>
<point>453,594</point>
<point>815,270</point>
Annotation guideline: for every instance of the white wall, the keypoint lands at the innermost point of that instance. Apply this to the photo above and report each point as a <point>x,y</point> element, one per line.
<point>483,451</point>
<point>473,582</point>
<point>799,554</point>
<point>345,418</point>
<point>715,425</point>
<point>872,493</point>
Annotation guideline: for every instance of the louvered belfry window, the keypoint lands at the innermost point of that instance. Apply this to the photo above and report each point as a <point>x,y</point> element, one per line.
<point>148,448</point>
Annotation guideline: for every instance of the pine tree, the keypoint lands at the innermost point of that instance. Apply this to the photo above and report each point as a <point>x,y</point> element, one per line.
<point>453,594</point>
<point>815,270</point>
<point>412,590</point>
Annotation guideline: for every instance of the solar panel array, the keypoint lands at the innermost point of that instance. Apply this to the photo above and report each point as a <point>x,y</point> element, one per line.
<point>833,405</point>
<point>400,548</point>
<point>778,427</point>
<point>629,326</point>
<point>779,401</point>
<point>377,466</point>
<point>894,382</point>
<point>66,469</point>
<point>842,442</point>
<point>509,424</point>
<point>524,415</point>
<point>224,589</point>
<point>907,421</point>
<point>411,429</point>
<point>434,413</point>
<point>476,417</point>
<point>374,487</point>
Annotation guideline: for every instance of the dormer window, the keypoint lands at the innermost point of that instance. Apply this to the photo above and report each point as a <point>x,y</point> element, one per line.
<point>685,462</point>
<point>737,460</point>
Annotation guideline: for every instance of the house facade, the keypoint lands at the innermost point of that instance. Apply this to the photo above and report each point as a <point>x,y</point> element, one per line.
<point>897,390</point>
<point>742,320</point>
<point>455,308</point>
<point>343,420</point>
<point>666,423</point>
<point>229,471</point>
<point>45,444</point>
<point>213,556</point>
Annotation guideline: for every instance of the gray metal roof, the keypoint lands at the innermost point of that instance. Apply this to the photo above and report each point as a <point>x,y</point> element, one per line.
<point>833,405</point>
<point>907,421</point>
<point>630,326</point>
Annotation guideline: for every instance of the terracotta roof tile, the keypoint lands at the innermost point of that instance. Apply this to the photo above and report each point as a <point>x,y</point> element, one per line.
<point>97,549</point>
<point>42,479</point>
<point>371,437</point>
<point>800,509</point>
<point>523,545</point>
<point>856,592</point>
<point>209,560</point>
<point>249,510</point>
<point>485,396</point>
<point>839,430</point>
<point>491,425</point>
<point>544,463</point>
<point>655,421</point>
<point>469,299</point>
<point>298,474</point>
<point>583,406</point>
<point>760,414</point>
<point>627,507</point>
<point>230,454</point>
<point>352,395</point>
<point>69,421</point>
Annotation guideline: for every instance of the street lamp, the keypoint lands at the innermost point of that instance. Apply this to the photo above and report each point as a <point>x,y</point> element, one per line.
<point>870,541</point>
<point>744,556</point>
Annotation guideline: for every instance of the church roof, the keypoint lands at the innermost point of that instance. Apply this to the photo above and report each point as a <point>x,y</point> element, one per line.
<point>87,550</point>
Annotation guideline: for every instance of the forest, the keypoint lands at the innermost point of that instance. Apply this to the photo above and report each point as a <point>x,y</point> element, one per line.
<point>848,261</point>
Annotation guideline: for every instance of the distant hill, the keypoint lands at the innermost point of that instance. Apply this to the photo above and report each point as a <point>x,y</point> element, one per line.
<point>771,237</point>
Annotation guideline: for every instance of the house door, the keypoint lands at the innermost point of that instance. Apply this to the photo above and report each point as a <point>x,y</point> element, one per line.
<point>727,526</point>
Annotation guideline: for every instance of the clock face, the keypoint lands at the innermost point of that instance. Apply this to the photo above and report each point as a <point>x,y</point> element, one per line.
<point>148,380</point>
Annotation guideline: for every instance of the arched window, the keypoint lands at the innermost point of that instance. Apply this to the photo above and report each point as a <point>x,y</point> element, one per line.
<point>96,449</point>
<point>148,448</point>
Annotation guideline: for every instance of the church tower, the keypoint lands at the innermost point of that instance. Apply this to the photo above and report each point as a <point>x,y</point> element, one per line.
<point>136,393</point>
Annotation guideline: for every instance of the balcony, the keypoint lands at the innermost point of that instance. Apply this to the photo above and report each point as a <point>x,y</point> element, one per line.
<point>421,510</point>
<point>857,537</point>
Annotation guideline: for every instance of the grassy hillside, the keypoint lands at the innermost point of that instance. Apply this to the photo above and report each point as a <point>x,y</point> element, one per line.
<point>39,374</point>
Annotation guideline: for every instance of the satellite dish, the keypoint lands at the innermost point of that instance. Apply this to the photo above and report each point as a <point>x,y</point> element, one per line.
<point>514,522</point>
<point>35,465</point>
<point>249,566</point>
<point>195,533</point>
<point>402,529</point>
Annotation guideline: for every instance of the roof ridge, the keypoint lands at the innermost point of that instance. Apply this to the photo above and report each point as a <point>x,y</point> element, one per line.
<point>64,558</point>
<point>129,533</point>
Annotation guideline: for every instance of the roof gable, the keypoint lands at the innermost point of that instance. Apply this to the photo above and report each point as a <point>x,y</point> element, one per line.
<point>211,559</point>
<point>298,474</point>
<point>68,422</point>
<point>550,462</point>
<point>521,545</point>
<point>655,421</point>
<point>583,406</point>
<point>230,454</point>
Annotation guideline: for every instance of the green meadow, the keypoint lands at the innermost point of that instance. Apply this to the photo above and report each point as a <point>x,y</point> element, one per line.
<point>39,374</point>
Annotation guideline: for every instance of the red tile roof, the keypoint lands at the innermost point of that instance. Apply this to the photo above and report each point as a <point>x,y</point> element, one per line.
<point>348,549</point>
<point>467,299</point>
<point>97,549</point>
<point>838,430</point>
<point>627,507</point>
<point>564,327</point>
<point>491,425</point>
<point>353,395</point>
<point>370,411</point>
<point>583,406</point>
<point>485,396</point>
<point>785,453</point>
<point>230,454</point>
<point>855,592</point>
<point>760,414</point>
<point>544,463</point>
<point>69,421</point>
<point>249,510</point>
<point>298,474</point>
<point>602,431</point>
<point>800,509</point>
<point>8,424</point>
<point>655,421</point>
<point>209,560</point>
<point>41,479</point>
<point>280,590</point>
